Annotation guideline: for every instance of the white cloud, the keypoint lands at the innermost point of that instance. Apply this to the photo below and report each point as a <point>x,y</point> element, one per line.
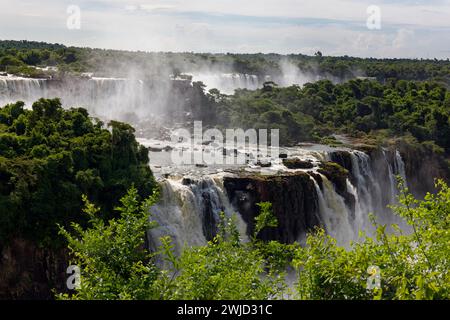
<point>409,28</point>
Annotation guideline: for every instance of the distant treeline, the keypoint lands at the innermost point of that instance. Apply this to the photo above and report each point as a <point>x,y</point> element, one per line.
<point>18,56</point>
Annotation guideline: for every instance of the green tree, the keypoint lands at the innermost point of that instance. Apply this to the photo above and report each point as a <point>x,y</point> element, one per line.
<point>113,258</point>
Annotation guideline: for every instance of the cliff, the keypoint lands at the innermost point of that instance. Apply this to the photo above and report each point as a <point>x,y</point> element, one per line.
<point>28,271</point>
<point>293,198</point>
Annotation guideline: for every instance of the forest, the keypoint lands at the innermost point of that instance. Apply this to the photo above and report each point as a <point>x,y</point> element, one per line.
<point>396,97</point>
<point>74,170</point>
<point>359,108</point>
<point>21,57</point>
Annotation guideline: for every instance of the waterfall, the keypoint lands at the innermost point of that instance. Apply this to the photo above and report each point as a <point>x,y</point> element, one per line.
<point>365,179</point>
<point>400,167</point>
<point>189,207</point>
<point>188,211</point>
<point>115,98</point>
<point>228,82</point>
<point>334,213</point>
<point>392,178</point>
<point>129,100</point>
<point>14,88</point>
<point>371,193</point>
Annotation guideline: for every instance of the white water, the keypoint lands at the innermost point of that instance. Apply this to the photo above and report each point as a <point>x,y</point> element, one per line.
<point>120,99</point>
<point>228,82</point>
<point>181,210</point>
<point>400,167</point>
<point>180,213</point>
<point>14,88</point>
<point>334,213</point>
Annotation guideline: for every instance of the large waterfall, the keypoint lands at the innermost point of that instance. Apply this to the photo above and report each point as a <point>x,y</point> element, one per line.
<point>335,214</point>
<point>129,100</point>
<point>14,88</point>
<point>228,82</point>
<point>372,192</point>
<point>189,207</point>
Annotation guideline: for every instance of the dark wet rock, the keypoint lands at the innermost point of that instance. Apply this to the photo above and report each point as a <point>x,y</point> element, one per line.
<point>343,158</point>
<point>318,178</point>
<point>366,148</point>
<point>422,167</point>
<point>264,163</point>
<point>187,181</point>
<point>295,163</point>
<point>293,197</point>
<point>209,219</point>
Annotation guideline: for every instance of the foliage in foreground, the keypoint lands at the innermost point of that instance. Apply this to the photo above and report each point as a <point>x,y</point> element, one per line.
<point>409,266</point>
<point>115,264</point>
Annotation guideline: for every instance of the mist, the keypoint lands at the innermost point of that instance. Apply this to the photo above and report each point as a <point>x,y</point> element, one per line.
<point>152,90</point>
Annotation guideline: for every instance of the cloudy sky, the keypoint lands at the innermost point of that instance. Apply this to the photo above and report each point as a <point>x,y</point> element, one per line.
<point>409,28</point>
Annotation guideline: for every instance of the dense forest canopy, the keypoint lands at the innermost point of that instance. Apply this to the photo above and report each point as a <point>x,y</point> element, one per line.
<point>50,157</point>
<point>360,108</point>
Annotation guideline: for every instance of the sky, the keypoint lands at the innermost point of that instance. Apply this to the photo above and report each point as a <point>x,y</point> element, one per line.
<point>410,29</point>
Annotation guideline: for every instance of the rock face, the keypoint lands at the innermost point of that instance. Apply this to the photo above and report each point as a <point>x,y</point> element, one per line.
<point>421,167</point>
<point>343,158</point>
<point>293,197</point>
<point>30,272</point>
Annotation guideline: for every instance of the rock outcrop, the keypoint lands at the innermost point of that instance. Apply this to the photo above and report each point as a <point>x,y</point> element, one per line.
<point>28,271</point>
<point>293,197</point>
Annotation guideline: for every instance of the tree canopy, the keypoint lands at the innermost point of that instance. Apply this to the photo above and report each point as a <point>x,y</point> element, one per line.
<point>50,156</point>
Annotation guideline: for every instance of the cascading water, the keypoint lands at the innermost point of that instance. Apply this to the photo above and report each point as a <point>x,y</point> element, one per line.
<point>334,213</point>
<point>228,82</point>
<point>189,212</point>
<point>369,194</point>
<point>366,189</point>
<point>14,88</point>
<point>189,209</point>
<point>124,99</point>
<point>400,167</point>
<point>177,215</point>
<point>370,191</point>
